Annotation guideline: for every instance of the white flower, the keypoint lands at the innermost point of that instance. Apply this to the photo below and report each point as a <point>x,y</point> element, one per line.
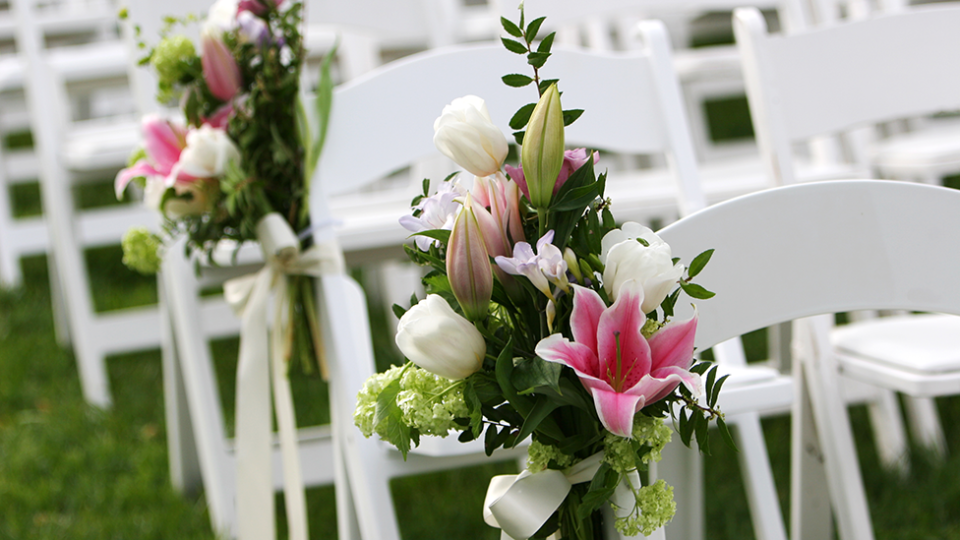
<point>207,153</point>
<point>434,337</point>
<point>221,18</point>
<point>651,265</point>
<point>541,268</point>
<point>466,134</point>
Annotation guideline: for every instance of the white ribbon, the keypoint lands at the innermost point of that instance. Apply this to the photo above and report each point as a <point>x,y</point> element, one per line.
<point>249,296</point>
<point>519,504</point>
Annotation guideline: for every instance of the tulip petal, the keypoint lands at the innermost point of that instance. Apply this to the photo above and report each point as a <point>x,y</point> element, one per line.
<point>558,349</point>
<point>620,326</point>
<point>616,410</point>
<point>585,318</point>
<point>672,345</point>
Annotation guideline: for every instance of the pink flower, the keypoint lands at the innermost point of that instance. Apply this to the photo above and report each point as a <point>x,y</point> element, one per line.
<point>623,371</point>
<point>437,211</point>
<point>572,160</point>
<point>258,6</point>
<point>468,264</point>
<point>220,69</point>
<point>220,117</point>
<point>502,197</point>
<point>541,268</point>
<point>163,143</point>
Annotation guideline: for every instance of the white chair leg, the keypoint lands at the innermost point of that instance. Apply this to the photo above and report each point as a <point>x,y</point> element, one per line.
<point>833,429</point>
<point>682,468</point>
<point>184,461</point>
<point>810,515</point>
<point>888,431</point>
<point>758,478</point>
<point>925,424</point>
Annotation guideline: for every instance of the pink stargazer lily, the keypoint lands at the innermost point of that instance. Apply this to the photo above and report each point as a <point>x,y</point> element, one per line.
<point>623,371</point>
<point>163,143</point>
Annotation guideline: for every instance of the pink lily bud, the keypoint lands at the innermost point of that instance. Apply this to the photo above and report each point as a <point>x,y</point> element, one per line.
<point>468,264</point>
<point>220,69</point>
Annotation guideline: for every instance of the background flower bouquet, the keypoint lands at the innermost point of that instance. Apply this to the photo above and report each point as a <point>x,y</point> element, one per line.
<point>570,343</point>
<point>243,145</point>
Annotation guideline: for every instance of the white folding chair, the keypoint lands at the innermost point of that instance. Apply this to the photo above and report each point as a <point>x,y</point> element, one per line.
<point>842,77</point>
<point>69,151</point>
<point>390,111</point>
<point>824,248</point>
<point>92,57</point>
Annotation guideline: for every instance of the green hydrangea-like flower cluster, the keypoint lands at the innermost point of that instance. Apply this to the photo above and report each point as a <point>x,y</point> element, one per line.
<point>649,433</point>
<point>172,58</point>
<point>539,456</point>
<point>367,400</point>
<point>141,250</point>
<point>430,402</point>
<point>655,507</point>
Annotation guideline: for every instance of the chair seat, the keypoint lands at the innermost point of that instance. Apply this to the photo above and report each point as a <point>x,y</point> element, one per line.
<point>923,344</point>
<point>936,147</point>
<point>914,354</point>
<point>100,144</point>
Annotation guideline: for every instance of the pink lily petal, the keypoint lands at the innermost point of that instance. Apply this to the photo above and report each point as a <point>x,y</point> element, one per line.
<point>163,142</point>
<point>516,174</point>
<point>140,168</point>
<point>672,345</point>
<point>558,349</point>
<point>587,308</point>
<point>669,377</point>
<point>220,69</point>
<point>620,326</point>
<point>220,117</point>
<point>616,410</point>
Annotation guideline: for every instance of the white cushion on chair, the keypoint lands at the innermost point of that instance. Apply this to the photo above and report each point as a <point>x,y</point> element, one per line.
<point>923,344</point>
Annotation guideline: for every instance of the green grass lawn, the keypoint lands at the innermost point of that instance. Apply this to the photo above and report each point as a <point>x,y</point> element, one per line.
<point>69,471</point>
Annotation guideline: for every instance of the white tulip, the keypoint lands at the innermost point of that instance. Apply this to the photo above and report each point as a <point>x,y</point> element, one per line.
<point>651,266</point>
<point>434,337</point>
<point>207,153</point>
<point>466,134</point>
<point>222,17</point>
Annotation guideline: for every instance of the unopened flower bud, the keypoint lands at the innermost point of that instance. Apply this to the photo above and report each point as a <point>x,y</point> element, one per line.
<point>571,258</point>
<point>542,154</point>
<point>468,264</point>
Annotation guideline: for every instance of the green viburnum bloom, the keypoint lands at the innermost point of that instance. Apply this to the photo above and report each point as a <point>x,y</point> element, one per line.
<point>366,409</point>
<point>172,58</point>
<point>655,507</point>
<point>430,402</point>
<point>141,251</point>
<point>539,456</point>
<point>621,453</point>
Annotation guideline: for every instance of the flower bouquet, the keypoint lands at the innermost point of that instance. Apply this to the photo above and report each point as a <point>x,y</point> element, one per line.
<point>544,323</point>
<point>234,166</point>
<point>243,145</point>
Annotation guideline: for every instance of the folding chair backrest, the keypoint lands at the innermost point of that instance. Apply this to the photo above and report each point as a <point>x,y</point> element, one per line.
<point>839,77</point>
<point>383,122</point>
<point>824,247</point>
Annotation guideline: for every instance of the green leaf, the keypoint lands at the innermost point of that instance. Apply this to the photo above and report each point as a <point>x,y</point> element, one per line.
<point>685,428</point>
<point>725,433</point>
<point>388,418</point>
<point>541,409</point>
<point>426,187</point>
<point>544,84</point>
<point>510,27</point>
<point>323,103</point>
<point>533,28</point>
<point>703,433</point>
<point>716,391</point>
<point>570,116</point>
<point>696,291</point>
<point>442,235</point>
<point>518,136</point>
<point>490,439</point>
<point>398,310</point>
<point>669,303</point>
<point>517,80</point>
<point>601,489</point>
<point>473,406</point>
<point>514,46</point>
<point>547,43</point>
<point>711,378</point>
<point>522,116</point>
<point>699,262</point>
<point>537,59</point>
<point>534,372</point>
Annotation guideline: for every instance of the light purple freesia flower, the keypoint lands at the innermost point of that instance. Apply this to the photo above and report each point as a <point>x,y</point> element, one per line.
<point>541,268</point>
<point>622,370</point>
<point>437,211</point>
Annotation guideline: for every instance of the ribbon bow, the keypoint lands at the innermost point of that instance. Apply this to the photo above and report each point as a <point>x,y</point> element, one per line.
<point>249,296</point>
<point>519,504</point>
